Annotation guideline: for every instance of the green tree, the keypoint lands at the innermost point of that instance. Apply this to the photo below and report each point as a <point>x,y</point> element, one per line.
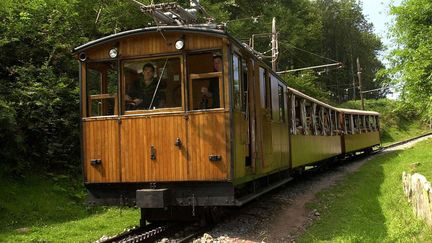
<point>412,58</point>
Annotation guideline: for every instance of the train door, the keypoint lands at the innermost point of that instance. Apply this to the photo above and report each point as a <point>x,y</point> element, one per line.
<point>266,116</point>
<point>153,128</point>
<point>240,115</point>
<point>100,126</point>
<point>247,125</point>
<point>206,116</point>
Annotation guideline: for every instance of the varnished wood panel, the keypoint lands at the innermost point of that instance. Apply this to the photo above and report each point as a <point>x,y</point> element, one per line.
<point>100,138</point>
<point>202,134</point>
<point>154,43</point>
<point>100,52</point>
<point>161,132</point>
<point>207,135</point>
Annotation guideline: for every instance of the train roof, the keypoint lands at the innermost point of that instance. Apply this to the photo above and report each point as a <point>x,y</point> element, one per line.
<point>298,93</point>
<point>213,30</point>
<point>358,112</point>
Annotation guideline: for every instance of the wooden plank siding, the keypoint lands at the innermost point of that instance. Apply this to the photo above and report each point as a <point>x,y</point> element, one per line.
<point>100,139</point>
<point>308,149</point>
<point>202,134</point>
<point>355,142</point>
<point>138,134</point>
<point>208,135</point>
<point>154,43</point>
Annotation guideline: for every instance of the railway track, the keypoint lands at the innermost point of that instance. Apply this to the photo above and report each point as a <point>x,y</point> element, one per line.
<point>406,141</point>
<point>155,232</point>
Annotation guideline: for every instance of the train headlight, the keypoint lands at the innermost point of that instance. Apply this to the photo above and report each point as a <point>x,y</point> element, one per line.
<point>179,44</point>
<point>82,57</point>
<point>113,53</point>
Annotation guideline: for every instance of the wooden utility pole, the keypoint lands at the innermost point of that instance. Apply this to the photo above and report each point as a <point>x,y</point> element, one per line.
<point>360,83</point>
<point>275,45</point>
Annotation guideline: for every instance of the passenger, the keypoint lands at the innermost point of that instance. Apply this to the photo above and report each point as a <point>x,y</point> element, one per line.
<point>208,100</point>
<point>141,94</point>
<point>217,63</point>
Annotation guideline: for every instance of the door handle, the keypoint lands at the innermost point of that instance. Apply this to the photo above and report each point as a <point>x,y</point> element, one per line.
<point>152,152</point>
<point>178,143</point>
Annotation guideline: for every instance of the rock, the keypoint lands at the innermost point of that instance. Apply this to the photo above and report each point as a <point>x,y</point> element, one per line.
<point>164,240</point>
<point>23,230</point>
<point>418,190</point>
<point>317,214</point>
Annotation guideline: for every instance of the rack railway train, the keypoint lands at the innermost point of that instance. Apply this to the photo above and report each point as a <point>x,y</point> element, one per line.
<point>179,120</point>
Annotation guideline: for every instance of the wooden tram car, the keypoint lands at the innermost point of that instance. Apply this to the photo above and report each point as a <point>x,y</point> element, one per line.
<point>210,136</point>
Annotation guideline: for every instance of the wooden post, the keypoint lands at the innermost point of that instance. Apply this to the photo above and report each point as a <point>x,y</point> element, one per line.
<point>274,42</point>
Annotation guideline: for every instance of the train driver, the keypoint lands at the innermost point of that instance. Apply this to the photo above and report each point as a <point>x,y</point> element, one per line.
<point>145,92</point>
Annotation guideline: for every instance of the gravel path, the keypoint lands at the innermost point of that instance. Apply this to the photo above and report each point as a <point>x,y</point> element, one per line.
<point>281,215</point>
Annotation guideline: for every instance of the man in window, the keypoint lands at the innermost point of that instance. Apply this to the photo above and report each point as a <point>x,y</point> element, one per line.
<point>145,92</point>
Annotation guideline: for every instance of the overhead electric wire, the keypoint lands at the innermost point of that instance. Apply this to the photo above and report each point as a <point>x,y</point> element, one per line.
<point>311,53</point>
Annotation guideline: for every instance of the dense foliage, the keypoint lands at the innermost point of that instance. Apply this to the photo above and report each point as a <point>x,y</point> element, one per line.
<point>412,58</point>
<point>39,112</point>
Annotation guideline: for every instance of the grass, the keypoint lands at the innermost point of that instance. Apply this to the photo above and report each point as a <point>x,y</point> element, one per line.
<point>51,209</point>
<point>369,205</point>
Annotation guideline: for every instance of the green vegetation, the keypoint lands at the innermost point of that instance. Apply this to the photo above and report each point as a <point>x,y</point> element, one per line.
<point>370,206</point>
<point>51,209</point>
<point>39,96</point>
<point>412,58</point>
<point>399,121</point>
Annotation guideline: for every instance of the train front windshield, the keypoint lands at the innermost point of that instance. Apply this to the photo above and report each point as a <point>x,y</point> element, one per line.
<point>152,84</point>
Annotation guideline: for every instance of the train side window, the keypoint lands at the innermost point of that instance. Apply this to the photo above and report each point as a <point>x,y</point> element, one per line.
<point>298,115</point>
<point>333,123</point>
<point>308,109</point>
<point>205,74</point>
<point>303,116</point>
<point>268,94</point>
<point>338,124</point>
<point>365,127</point>
<point>356,124</point>
<point>102,88</point>
<point>347,124</point>
<point>294,117</point>
<point>236,82</point>
<point>281,103</point>
<point>326,120</point>
<point>369,123</point>
<point>374,125</point>
<point>263,86</point>
<point>244,87</point>
<point>274,82</point>
<point>317,120</point>
<point>377,122</point>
